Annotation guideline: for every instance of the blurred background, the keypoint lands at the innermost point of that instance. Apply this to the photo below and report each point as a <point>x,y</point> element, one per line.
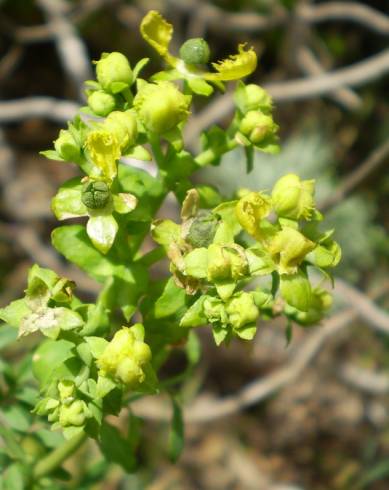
<point>313,415</point>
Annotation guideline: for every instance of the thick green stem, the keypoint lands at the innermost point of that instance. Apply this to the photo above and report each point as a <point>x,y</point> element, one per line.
<point>51,462</point>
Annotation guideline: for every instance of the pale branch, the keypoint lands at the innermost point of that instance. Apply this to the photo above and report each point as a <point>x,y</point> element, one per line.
<point>365,380</point>
<point>379,156</point>
<point>359,13</point>
<point>56,110</point>
<point>355,75</point>
<point>311,66</point>
<point>71,49</point>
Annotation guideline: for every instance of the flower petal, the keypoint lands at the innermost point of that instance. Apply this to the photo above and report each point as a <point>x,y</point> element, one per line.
<point>104,151</point>
<point>102,230</point>
<point>236,66</point>
<point>158,33</point>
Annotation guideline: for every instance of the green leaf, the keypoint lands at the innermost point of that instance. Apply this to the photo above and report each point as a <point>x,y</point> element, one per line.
<point>139,153</point>
<point>200,86</point>
<point>196,263</point>
<point>171,300</point>
<point>176,436</point>
<point>124,203</point>
<point>8,335</point>
<point>15,477</point>
<point>104,386</point>
<point>14,313</point>
<point>226,210</point>
<point>247,332</point>
<point>116,448</point>
<point>67,202</point>
<point>74,244</point>
<point>51,155</point>
<point>102,230</point>
<point>219,334</point>
<point>18,418</point>
<point>97,345</point>
<point>165,232</point>
<point>194,317</point>
<point>49,355</point>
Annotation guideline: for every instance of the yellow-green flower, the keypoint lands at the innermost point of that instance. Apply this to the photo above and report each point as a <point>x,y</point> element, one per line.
<point>158,33</point>
<point>293,198</point>
<point>288,249</point>
<point>250,210</point>
<point>104,150</point>
<point>161,106</point>
<point>124,357</point>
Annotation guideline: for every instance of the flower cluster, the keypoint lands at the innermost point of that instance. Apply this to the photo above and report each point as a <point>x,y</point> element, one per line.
<point>211,257</point>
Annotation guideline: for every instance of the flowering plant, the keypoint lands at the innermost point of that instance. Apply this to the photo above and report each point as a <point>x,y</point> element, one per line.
<point>232,262</point>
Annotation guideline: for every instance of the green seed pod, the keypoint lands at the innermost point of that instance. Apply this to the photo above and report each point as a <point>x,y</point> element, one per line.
<point>66,146</point>
<point>296,290</point>
<point>202,229</point>
<point>321,302</point>
<point>242,310</point>
<point>161,106</point>
<point>113,72</point>
<point>195,51</point>
<point>101,103</point>
<point>293,198</point>
<point>124,126</point>
<point>257,126</point>
<point>73,414</point>
<point>214,310</point>
<point>252,98</point>
<point>95,195</point>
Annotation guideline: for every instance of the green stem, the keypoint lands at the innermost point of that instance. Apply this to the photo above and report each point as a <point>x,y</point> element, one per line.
<point>208,156</point>
<point>52,461</point>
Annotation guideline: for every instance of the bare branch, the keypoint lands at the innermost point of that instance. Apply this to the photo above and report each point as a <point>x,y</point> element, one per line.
<point>374,160</point>
<point>71,49</point>
<point>348,11</point>
<point>364,306</point>
<point>49,108</point>
<point>355,75</point>
<point>375,383</point>
<point>10,61</point>
<point>311,66</point>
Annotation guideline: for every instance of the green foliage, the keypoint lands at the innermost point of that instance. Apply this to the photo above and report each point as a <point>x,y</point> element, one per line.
<point>96,354</point>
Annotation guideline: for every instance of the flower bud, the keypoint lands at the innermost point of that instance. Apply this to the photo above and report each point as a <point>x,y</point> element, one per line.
<point>113,72</point>
<point>293,198</point>
<point>66,389</point>
<point>73,414</point>
<point>95,194</point>
<point>66,146</point>
<point>252,97</point>
<point>202,229</point>
<point>242,310</point>
<point>296,290</point>
<point>214,310</point>
<point>289,248</point>
<point>123,126</point>
<point>257,127</point>
<point>251,209</point>
<point>101,103</point>
<point>161,106</point>
<point>321,302</point>
<point>124,357</point>
<point>195,51</point>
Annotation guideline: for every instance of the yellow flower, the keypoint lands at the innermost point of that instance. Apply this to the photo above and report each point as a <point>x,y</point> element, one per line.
<point>158,33</point>
<point>104,151</point>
